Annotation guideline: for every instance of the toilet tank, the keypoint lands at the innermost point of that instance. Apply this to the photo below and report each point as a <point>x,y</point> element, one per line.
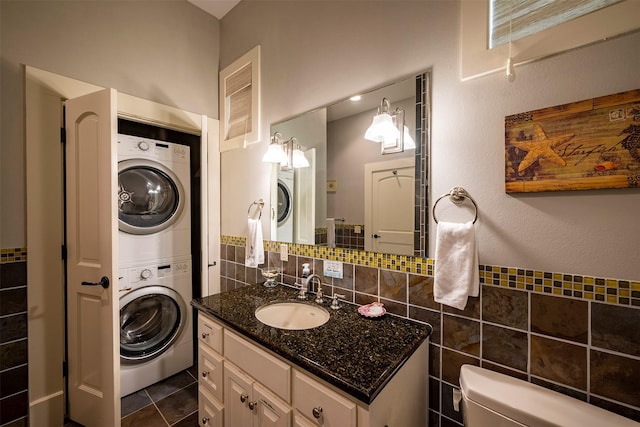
<point>490,399</point>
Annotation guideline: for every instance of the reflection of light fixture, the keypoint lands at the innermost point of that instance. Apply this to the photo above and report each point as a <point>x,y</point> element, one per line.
<point>287,153</point>
<point>298,160</point>
<point>409,143</point>
<point>389,129</point>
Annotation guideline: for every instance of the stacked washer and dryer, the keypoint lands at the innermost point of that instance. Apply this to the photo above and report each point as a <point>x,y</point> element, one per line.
<point>154,217</point>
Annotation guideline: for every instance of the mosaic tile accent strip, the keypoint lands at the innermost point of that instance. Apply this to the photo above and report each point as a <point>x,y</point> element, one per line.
<point>613,291</point>
<point>13,255</point>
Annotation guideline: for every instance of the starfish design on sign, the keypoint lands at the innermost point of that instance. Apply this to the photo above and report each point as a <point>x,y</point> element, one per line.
<point>541,147</point>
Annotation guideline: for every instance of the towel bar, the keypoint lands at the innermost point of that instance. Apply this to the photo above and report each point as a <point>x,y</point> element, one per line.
<point>457,196</point>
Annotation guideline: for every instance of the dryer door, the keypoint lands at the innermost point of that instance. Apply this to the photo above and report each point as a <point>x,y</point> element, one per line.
<point>285,202</point>
<point>150,196</point>
<point>151,319</point>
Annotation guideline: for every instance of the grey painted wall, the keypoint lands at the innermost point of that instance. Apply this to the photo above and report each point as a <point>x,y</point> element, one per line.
<point>163,51</point>
<point>314,53</point>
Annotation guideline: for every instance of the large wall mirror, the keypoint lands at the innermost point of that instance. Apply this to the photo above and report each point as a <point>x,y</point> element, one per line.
<point>338,187</point>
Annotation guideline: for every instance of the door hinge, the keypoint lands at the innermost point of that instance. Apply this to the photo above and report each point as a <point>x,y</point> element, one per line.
<point>63,135</point>
<point>63,252</point>
<point>65,368</point>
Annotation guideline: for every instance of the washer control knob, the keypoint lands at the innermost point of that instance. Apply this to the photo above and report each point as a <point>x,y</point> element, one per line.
<point>145,274</point>
<point>143,145</point>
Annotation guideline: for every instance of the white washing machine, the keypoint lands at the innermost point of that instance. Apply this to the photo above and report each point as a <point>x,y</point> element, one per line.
<point>154,199</point>
<point>285,206</point>
<point>156,328</point>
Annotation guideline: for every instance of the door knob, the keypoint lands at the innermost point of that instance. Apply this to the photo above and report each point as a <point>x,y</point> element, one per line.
<point>376,236</point>
<point>104,282</point>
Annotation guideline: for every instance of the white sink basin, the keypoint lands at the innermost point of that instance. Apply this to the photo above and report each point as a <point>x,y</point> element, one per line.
<point>292,315</point>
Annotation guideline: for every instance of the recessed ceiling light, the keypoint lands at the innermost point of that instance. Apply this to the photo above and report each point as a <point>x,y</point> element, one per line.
<point>355,98</point>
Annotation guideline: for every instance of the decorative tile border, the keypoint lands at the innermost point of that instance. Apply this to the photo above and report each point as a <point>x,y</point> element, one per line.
<point>614,291</point>
<point>13,255</point>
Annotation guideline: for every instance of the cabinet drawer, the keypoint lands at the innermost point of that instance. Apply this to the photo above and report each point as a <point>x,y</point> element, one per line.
<point>210,332</point>
<point>263,367</point>
<point>331,409</point>
<point>210,370</point>
<point>210,411</point>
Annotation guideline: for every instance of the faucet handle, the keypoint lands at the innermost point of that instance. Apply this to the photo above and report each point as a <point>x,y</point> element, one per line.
<point>319,294</point>
<point>334,303</point>
<point>302,294</point>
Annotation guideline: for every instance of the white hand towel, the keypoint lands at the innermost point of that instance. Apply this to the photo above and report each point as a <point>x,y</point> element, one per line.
<point>331,232</point>
<point>255,248</point>
<point>457,276</point>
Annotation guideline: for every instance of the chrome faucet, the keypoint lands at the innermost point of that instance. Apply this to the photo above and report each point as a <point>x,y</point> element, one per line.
<point>308,285</point>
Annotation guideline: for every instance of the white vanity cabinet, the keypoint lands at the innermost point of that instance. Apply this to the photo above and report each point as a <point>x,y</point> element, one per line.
<point>210,373</point>
<point>248,403</point>
<point>253,387</point>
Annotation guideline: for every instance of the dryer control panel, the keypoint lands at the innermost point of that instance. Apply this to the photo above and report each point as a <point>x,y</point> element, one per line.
<point>145,274</point>
<point>129,145</point>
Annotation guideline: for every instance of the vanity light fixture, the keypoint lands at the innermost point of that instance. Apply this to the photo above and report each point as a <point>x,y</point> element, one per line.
<point>389,129</point>
<point>275,152</point>
<point>287,153</point>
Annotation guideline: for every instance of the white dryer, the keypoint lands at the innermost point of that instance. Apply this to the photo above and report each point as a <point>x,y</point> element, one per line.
<point>154,199</point>
<point>156,332</point>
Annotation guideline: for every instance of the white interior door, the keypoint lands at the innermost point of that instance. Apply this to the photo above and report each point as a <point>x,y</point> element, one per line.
<point>389,206</point>
<point>92,309</point>
<point>211,199</point>
<point>304,219</point>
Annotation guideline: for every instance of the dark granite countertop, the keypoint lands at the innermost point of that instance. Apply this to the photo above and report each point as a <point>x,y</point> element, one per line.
<point>359,355</point>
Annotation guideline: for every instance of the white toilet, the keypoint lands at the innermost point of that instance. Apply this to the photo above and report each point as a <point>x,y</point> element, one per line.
<point>490,399</point>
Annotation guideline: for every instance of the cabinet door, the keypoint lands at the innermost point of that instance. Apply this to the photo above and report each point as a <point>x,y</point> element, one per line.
<point>321,404</point>
<point>210,370</point>
<point>237,397</point>
<point>300,421</point>
<point>271,411</point>
<point>210,411</point>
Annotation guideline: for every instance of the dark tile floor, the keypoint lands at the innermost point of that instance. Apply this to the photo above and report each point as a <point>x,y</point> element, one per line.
<point>172,402</point>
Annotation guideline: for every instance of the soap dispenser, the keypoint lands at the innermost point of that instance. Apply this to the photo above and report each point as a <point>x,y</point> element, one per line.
<point>306,272</point>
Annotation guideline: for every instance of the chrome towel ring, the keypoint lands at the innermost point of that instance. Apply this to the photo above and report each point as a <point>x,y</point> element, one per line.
<point>457,196</point>
<point>260,204</point>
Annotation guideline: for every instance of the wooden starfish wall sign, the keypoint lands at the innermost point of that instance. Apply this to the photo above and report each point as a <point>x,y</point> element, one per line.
<point>584,145</point>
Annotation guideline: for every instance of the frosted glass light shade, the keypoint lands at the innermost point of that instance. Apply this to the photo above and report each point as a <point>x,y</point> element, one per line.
<point>299,160</point>
<point>382,129</point>
<point>274,154</point>
<point>409,143</point>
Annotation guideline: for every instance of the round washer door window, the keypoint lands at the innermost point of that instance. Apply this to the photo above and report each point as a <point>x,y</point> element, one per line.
<point>151,319</point>
<point>150,197</point>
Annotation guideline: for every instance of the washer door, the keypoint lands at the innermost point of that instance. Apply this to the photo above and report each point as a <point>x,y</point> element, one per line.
<point>151,319</point>
<point>150,196</point>
<point>285,202</point>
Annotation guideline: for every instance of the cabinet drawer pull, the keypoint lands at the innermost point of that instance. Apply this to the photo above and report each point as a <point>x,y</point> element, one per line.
<point>204,374</point>
<point>253,405</point>
<point>205,335</point>
<point>205,420</point>
<point>317,412</point>
<point>243,398</point>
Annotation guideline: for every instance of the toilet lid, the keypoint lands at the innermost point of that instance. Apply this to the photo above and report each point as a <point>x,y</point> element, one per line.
<point>531,404</point>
